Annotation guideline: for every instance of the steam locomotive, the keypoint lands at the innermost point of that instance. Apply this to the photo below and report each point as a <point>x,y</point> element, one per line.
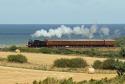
<point>71,43</point>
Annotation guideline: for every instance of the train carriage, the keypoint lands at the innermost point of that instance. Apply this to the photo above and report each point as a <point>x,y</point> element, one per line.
<point>72,43</point>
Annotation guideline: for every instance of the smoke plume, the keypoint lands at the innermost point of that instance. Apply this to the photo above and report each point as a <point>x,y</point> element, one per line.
<point>78,30</point>
<point>105,31</point>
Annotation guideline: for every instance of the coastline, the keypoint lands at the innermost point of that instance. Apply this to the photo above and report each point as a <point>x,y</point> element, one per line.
<point>9,45</point>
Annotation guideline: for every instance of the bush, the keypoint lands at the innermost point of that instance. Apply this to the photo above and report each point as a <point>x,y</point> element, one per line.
<point>97,64</point>
<point>108,64</point>
<point>111,54</point>
<point>120,42</point>
<point>50,81</point>
<point>35,82</point>
<point>17,58</point>
<point>26,49</point>
<point>92,52</point>
<point>122,52</point>
<point>64,51</point>
<point>61,63</point>
<point>77,63</point>
<point>71,63</point>
<point>56,51</point>
<point>120,67</point>
<point>13,48</point>
<point>116,80</point>
<point>46,50</point>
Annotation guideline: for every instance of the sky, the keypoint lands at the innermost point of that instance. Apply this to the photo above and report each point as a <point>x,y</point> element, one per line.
<point>62,11</point>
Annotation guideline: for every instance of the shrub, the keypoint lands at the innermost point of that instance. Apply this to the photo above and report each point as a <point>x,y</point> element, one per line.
<point>61,63</point>
<point>116,80</point>
<point>97,64</point>
<point>77,63</point>
<point>25,49</point>
<point>12,48</point>
<point>35,82</point>
<point>111,54</point>
<point>56,51</point>
<point>64,51</point>
<point>71,63</point>
<point>17,58</point>
<point>95,52</point>
<point>120,67</point>
<point>46,50</point>
<point>120,42</point>
<point>40,82</point>
<point>122,52</point>
<point>50,81</point>
<point>92,52</point>
<point>108,64</point>
<point>67,81</point>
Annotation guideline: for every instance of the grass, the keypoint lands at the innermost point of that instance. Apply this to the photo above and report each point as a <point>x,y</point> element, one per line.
<point>116,80</point>
<point>93,52</point>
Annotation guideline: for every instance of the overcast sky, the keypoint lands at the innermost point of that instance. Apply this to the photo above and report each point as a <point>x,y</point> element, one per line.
<point>62,11</point>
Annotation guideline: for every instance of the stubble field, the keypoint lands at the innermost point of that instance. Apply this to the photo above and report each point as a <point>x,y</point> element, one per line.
<point>11,75</point>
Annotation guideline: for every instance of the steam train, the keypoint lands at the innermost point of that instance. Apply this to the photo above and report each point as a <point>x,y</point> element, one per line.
<point>71,43</point>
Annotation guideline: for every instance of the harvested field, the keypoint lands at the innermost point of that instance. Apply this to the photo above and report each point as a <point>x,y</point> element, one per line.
<point>39,61</point>
<point>10,75</point>
<point>48,59</point>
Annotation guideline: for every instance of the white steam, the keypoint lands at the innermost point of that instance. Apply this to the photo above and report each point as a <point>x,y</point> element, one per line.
<point>64,30</point>
<point>105,31</point>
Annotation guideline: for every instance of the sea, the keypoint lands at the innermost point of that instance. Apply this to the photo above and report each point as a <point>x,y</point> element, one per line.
<point>19,34</point>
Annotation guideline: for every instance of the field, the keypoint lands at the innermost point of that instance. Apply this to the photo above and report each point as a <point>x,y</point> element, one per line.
<point>23,76</point>
<point>48,59</point>
<point>11,75</point>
